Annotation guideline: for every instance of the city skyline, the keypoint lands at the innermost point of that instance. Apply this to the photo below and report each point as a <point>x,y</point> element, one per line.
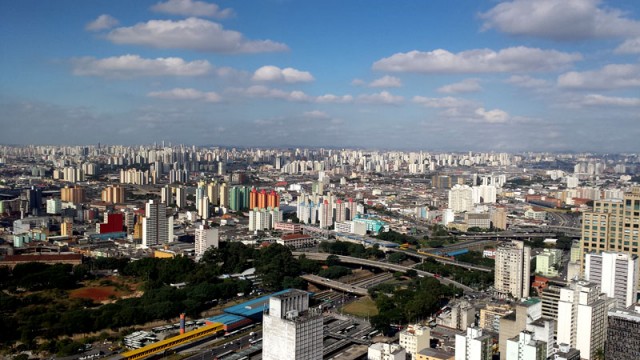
<point>549,75</point>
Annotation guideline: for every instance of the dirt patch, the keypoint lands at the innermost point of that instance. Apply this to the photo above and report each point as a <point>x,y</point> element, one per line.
<point>97,294</point>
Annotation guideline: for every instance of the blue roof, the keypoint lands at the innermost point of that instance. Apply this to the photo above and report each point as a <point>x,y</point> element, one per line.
<point>253,307</point>
<point>226,319</point>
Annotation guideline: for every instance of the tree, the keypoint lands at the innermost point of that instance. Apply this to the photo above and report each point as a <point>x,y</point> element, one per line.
<point>333,260</point>
<point>397,257</point>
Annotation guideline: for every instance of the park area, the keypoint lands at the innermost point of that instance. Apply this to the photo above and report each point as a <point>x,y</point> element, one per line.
<point>363,307</point>
<point>104,290</point>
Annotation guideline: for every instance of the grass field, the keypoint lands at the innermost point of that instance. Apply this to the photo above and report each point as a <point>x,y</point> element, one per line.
<point>363,307</point>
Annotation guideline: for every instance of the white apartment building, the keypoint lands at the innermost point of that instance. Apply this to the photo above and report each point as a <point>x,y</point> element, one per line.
<point>382,351</point>
<point>205,238</point>
<point>156,227</point>
<point>582,317</point>
<point>292,330</point>
<point>473,345</point>
<point>512,270</point>
<point>461,198</point>
<point>525,347</point>
<point>616,273</point>
<point>415,338</point>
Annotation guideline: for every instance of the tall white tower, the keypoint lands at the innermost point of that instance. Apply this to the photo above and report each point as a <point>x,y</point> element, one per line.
<point>616,273</point>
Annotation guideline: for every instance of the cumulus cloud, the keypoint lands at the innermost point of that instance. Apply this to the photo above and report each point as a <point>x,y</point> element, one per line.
<point>513,59</point>
<point>316,114</point>
<point>492,116</point>
<point>612,76</point>
<point>464,86</point>
<point>630,46</point>
<point>276,74</point>
<point>444,102</point>
<point>527,82</point>
<point>386,82</point>
<point>598,100</point>
<point>261,91</point>
<point>127,66</point>
<point>562,20</point>
<point>103,22</point>
<point>334,99</point>
<point>186,94</point>
<point>192,8</point>
<point>383,97</point>
<point>192,34</point>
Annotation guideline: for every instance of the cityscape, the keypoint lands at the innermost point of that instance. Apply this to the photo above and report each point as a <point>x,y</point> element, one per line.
<point>286,179</point>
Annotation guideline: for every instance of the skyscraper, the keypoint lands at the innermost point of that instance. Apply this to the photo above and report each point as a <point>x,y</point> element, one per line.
<point>113,194</point>
<point>612,225</point>
<point>205,237</point>
<point>623,335</point>
<point>512,270</point>
<point>155,225</point>
<point>616,273</point>
<point>582,317</point>
<point>292,330</point>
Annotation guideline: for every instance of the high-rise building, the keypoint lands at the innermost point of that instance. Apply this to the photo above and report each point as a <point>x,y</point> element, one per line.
<point>473,345</point>
<point>292,330</point>
<point>341,211</point>
<point>383,351</point>
<point>612,225</point>
<point>34,201</point>
<point>623,335</point>
<point>155,225</point>
<point>616,273</point>
<point>66,227</point>
<point>524,346</point>
<point>205,237</point>
<point>512,324</point>
<point>499,218</point>
<point>166,195</point>
<point>113,194</point>
<point>203,208</point>
<point>181,197</point>
<point>54,206</point>
<point>325,214</point>
<point>513,270</point>
<point>415,338</point>
<point>582,317</point>
<point>74,195</point>
<point>461,198</point>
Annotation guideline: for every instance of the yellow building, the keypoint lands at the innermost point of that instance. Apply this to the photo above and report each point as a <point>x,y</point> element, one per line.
<point>164,254</point>
<point>612,225</point>
<point>66,228</point>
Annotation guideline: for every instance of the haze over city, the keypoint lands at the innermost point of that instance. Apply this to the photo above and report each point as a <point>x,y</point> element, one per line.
<point>548,75</point>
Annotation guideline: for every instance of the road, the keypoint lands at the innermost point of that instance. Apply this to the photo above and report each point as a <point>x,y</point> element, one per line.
<point>383,265</point>
<point>352,289</point>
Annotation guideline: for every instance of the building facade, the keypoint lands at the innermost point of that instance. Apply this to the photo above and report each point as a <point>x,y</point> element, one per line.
<point>512,270</point>
<point>616,273</point>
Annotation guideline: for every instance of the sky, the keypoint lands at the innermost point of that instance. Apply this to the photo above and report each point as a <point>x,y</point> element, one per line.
<point>437,75</point>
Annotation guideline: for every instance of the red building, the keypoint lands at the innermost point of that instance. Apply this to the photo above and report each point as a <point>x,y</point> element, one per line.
<point>113,224</point>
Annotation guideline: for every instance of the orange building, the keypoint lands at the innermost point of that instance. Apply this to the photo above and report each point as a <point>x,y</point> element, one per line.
<point>262,199</point>
<point>74,195</point>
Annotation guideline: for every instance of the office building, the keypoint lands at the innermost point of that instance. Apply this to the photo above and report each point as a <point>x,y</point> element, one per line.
<point>66,227</point>
<point>292,330</point>
<point>582,317</point>
<point>54,206</point>
<point>524,346</point>
<point>473,345</point>
<point>512,270</point>
<point>613,225</point>
<point>156,227</point>
<point>616,273</point>
<point>205,237</point>
<point>415,338</point>
<point>623,335</point>
<point>490,316</point>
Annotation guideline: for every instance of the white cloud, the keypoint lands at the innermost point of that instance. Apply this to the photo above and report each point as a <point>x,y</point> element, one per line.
<point>464,86</point>
<point>444,102</point>
<point>630,46</point>
<point>596,99</point>
<point>276,74</point>
<point>358,82</point>
<point>513,59</point>
<point>316,114</point>
<point>383,97</point>
<point>527,82</point>
<point>386,82</point>
<point>102,22</point>
<point>192,8</point>
<point>494,116</point>
<point>127,66</point>
<point>612,76</point>
<point>562,20</point>
<point>186,94</point>
<point>193,34</point>
<point>261,91</point>
<point>334,99</point>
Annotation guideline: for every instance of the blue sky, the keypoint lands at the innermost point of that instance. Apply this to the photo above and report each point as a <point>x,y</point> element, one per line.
<point>543,75</point>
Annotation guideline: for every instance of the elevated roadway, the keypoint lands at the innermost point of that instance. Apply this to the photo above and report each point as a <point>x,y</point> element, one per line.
<point>352,289</point>
<point>382,265</point>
